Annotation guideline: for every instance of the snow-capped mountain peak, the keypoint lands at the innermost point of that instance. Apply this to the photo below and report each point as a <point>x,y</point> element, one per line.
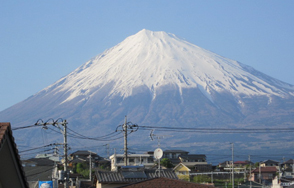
<point>154,59</point>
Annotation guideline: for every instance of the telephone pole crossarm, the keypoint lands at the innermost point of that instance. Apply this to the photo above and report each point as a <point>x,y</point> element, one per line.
<point>124,128</point>
<point>57,124</point>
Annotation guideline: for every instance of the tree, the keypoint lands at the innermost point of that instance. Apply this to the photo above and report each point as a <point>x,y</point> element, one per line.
<point>256,165</point>
<point>83,169</point>
<point>166,163</point>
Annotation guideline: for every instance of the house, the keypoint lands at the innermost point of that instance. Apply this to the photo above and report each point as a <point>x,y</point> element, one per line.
<point>182,171</point>
<point>192,160</point>
<point>225,165</point>
<point>242,164</point>
<point>173,155</point>
<point>82,156</point>
<point>53,157</point>
<point>287,164</point>
<point>39,169</point>
<point>129,174</point>
<point>12,174</point>
<point>202,168</point>
<point>287,173</point>
<point>264,174</point>
<point>117,160</point>
<point>162,182</point>
<point>269,163</point>
<point>238,165</point>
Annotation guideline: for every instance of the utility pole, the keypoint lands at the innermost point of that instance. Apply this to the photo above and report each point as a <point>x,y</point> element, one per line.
<point>125,127</point>
<point>64,132</point>
<point>250,171</point>
<point>259,173</point>
<point>90,166</point>
<point>233,165</point>
<point>107,149</point>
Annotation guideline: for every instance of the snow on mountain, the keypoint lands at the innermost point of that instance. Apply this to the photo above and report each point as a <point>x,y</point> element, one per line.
<point>156,59</point>
<point>158,79</point>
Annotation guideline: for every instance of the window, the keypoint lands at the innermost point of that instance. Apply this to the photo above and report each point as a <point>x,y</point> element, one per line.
<point>131,160</point>
<point>173,155</point>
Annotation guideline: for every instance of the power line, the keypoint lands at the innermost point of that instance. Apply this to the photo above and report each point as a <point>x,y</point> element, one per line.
<point>219,130</point>
<point>36,148</point>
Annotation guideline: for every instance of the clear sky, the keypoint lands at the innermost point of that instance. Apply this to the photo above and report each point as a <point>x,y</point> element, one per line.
<point>42,41</point>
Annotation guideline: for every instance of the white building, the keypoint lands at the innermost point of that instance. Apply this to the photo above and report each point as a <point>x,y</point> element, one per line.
<point>117,160</point>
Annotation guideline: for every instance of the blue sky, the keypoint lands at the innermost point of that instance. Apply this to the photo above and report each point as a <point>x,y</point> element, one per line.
<point>41,41</point>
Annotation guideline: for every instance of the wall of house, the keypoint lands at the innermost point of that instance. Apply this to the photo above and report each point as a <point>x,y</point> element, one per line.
<point>109,185</point>
<point>12,175</point>
<point>118,161</point>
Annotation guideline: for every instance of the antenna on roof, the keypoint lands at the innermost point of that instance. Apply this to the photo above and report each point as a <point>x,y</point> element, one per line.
<point>158,137</point>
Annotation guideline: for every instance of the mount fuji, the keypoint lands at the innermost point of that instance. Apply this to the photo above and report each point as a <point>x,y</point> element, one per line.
<point>158,79</point>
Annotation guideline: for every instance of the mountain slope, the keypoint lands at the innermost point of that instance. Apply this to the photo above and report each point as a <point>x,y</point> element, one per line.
<point>158,79</point>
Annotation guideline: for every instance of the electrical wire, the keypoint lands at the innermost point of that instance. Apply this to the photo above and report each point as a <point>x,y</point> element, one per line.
<point>219,130</point>
<point>25,127</point>
<point>35,148</point>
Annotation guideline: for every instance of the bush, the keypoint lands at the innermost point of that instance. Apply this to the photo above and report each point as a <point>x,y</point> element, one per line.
<point>201,179</point>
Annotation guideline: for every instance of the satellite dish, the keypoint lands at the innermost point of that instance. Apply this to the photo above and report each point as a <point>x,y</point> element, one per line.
<point>158,153</point>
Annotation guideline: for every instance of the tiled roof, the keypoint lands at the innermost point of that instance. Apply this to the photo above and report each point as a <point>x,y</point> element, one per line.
<point>290,161</point>
<point>175,151</point>
<point>83,152</point>
<point>265,169</point>
<point>41,161</point>
<point>165,183</point>
<point>269,161</point>
<point>37,173</point>
<point>193,156</point>
<point>240,162</point>
<point>6,134</point>
<point>117,177</point>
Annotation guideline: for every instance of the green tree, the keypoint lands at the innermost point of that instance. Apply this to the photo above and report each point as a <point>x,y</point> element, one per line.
<point>83,169</point>
<point>166,163</point>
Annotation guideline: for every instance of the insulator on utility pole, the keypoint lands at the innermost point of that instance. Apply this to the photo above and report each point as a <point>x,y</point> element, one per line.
<point>125,127</point>
<point>64,132</point>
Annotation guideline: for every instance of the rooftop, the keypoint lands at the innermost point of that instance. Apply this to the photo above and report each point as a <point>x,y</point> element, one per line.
<point>132,176</point>
<point>162,182</point>
<point>265,169</point>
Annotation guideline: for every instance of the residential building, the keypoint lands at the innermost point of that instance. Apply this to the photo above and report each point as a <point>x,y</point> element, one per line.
<point>129,174</point>
<point>239,166</point>
<point>117,160</point>
<point>82,156</point>
<point>288,164</point>
<point>190,160</point>
<point>264,175</point>
<point>53,157</point>
<point>182,171</point>
<point>287,173</point>
<point>225,164</point>
<point>39,169</point>
<point>173,155</point>
<point>12,173</point>
<point>269,163</point>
